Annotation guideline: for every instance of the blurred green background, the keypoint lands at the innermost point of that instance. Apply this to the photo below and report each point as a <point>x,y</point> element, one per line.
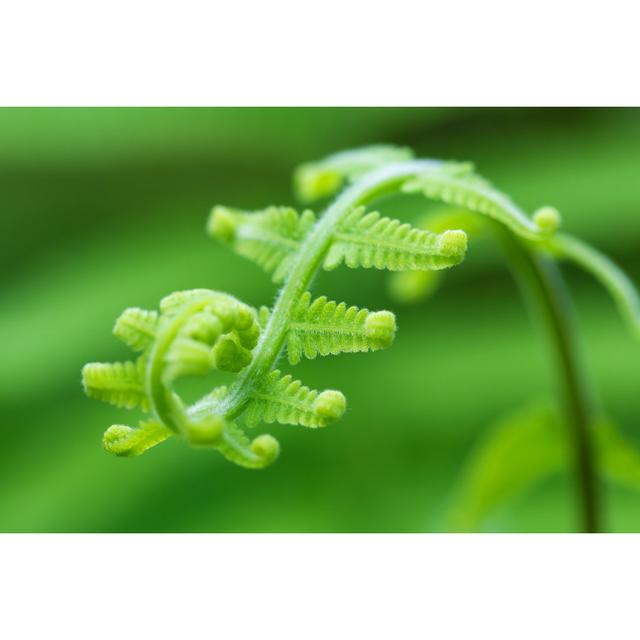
<point>105,208</point>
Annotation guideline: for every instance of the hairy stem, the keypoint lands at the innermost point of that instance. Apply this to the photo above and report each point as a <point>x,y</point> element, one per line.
<point>309,258</point>
<point>543,285</point>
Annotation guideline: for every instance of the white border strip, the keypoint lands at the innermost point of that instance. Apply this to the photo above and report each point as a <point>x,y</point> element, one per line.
<point>319,586</point>
<point>288,53</point>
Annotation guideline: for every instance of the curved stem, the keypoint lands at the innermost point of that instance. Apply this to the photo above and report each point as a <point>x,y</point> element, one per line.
<point>543,285</point>
<point>309,258</point>
<point>536,275</point>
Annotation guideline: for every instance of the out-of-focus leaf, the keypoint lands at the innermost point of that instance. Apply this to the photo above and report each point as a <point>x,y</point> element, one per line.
<point>525,449</point>
<point>411,287</point>
<point>514,455</point>
<point>618,458</point>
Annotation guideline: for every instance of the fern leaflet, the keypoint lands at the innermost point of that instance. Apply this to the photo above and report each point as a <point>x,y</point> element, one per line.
<point>118,383</point>
<point>137,328</point>
<point>285,400</point>
<point>270,238</point>
<point>237,448</point>
<point>124,441</point>
<point>325,327</point>
<point>384,243</point>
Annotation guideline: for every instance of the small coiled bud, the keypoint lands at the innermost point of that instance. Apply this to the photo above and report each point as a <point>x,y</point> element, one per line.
<point>453,243</point>
<point>330,405</point>
<point>313,182</point>
<point>222,224</point>
<point>381,327</point>
<point>115,439</point>
<point>266,447</point>
<point>127,442</point>
<point>226,311</point>
<point>247,327</point>
<point>547,219</point>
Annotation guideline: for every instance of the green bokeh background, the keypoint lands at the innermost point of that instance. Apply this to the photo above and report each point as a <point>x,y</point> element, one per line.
<point>101,209</point>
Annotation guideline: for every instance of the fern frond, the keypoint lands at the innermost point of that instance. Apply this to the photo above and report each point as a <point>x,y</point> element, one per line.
<point>223,314</point>
<point>124,441</point>
<point>285,400</point>
<point>325,327</point>
<point>270,238</point>
<point>457,184</point>
<point>612,278</point>
<point>237,448</point>
<point>369,240</point>
<point>119,383</point>
<point>136,328</point>
<point>315,180</point>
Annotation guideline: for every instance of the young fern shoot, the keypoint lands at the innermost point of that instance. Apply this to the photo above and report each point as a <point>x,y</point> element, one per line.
<point>199,331</point>
<point>196,332</point>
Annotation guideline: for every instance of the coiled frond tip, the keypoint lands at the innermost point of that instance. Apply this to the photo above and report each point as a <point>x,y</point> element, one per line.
<point>453,243</point>
<point>313,183</point>
<point>330,405</point>
<point>381,327</point>
<point>266,447</point>
<point>221,224</point>
<point>547,219</point>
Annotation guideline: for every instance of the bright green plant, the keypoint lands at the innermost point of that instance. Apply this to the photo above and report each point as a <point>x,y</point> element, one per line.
<point>201,331</point>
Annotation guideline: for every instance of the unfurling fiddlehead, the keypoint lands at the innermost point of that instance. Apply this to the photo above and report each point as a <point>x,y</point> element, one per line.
<point>200,331</point>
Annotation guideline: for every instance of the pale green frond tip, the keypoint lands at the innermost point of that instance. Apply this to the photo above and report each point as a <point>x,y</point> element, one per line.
<point>136,328</point>
<point>453,243</point>
<point>115,440</point>
<point>206,433</point>
<point>547,219</point>
<point>381,327</point>
<point>118,383</point>
<point>266,447</point>
<point>222,224</point>
<point>330,405</point>
<point>323,178</point>
<point>313,182</point>
<point>124,441</point>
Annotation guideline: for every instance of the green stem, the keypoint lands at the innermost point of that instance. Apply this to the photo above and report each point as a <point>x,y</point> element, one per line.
<point>536,275</point>
<point>309,258</point>
<point>543,284</point>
